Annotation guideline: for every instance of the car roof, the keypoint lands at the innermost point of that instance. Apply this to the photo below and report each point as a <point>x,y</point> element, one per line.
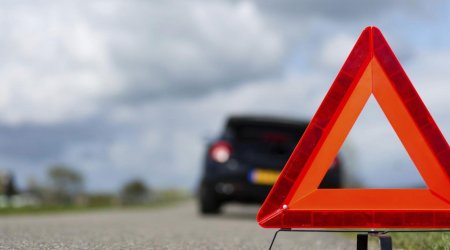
<point>236,120</point>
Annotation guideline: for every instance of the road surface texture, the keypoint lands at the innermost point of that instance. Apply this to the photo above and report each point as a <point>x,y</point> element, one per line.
<point>176,227</point>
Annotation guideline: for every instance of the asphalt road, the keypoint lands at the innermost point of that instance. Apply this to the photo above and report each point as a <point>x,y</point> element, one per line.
<point>177,227</point>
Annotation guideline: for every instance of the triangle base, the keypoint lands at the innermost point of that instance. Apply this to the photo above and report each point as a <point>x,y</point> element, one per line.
<point>358,219</point>
<point>364,208</point>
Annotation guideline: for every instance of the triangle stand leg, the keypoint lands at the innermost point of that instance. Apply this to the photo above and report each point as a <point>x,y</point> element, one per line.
<point>362,241</point>
<point>383,237</point>
<point>275,236</point>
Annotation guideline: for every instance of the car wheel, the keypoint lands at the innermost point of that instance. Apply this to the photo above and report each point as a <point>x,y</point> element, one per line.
<point>209,204</point>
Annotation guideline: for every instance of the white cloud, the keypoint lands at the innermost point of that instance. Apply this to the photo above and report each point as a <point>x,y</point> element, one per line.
<point>63,60</point>
<point>335,50</point>
<point>194,48</point>
<point>54,66</point>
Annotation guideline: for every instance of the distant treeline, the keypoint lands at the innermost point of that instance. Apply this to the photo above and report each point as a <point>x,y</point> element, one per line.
<point>64,187</point>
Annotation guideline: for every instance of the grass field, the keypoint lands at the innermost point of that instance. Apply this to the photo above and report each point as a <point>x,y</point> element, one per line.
<point>166,200</point>
<point>426,241</point>
<point>415,241</point>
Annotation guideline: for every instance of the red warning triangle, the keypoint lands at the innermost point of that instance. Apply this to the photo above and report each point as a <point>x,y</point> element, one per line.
<point>295,200</point>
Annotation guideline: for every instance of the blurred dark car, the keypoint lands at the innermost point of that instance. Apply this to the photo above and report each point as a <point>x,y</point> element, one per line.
<point>245,161</point>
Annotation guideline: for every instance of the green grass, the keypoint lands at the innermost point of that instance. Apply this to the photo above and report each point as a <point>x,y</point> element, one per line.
<point>413,241</point>
<point>53,209</point>
<point>46,209</point>
<point>426,241</point>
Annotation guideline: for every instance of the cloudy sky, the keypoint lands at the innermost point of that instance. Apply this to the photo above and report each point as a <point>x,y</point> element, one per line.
<point>124,89</point>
